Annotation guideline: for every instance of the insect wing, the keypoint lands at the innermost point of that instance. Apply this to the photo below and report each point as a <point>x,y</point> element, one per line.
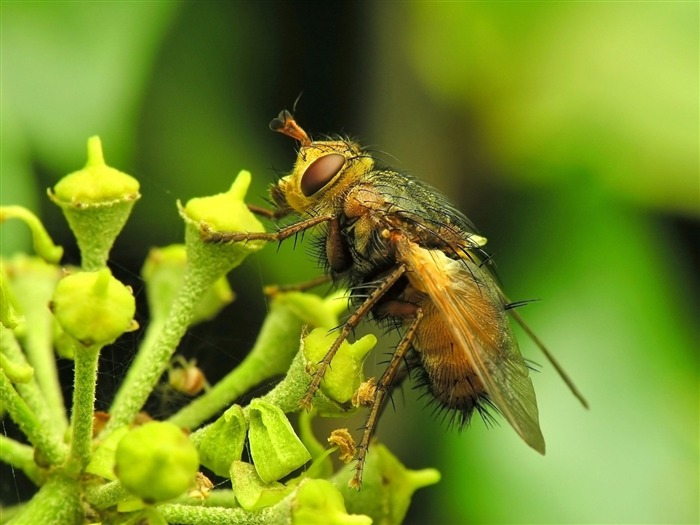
<point>469,299</point>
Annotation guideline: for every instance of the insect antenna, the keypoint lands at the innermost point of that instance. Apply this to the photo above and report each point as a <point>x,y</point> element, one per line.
<point>285,124</point>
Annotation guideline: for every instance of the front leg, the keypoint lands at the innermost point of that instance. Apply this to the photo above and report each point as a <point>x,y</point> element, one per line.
<point>213,236</point>
<point>275,214</point>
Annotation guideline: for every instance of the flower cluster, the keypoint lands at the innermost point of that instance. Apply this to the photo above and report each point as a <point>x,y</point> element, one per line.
<point>122,466</point>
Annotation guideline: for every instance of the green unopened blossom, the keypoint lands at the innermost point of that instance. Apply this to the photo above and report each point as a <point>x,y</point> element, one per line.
<point>222,442</point>
<point>274,446</point>
<point>96,201</point>
<point>318,502</point>
<point>251,492</point>
<point>97,183</point>
<point>93,307</point>
<point>207,217</point>
<point>156,461</point>
<point>387,486</point>
<point>344,376</point>
<point>163,273</point>
<point>225,212</point>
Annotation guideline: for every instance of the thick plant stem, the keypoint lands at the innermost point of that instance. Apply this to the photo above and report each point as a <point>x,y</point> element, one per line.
<point>207,263</point>
<point>58,501</point>
<point>153,359</point>
<point>86,359</point>
<point>43,439</point>
<point>107,495</point>
<point>20,456</point>
<point>199,515</point>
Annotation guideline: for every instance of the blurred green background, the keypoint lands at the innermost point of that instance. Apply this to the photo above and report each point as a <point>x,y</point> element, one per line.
<point>567,131</point>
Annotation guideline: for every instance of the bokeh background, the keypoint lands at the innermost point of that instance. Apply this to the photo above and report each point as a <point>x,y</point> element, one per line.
<point>567,131</point>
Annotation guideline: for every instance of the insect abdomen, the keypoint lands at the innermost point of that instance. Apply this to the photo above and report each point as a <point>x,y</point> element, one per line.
<point>445,367</point>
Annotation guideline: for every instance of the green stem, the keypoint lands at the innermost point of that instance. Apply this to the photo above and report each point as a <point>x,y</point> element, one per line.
<point>207,262</point>
<point>86,359</point>
<point>31,391</point>
<point>12,352</point>
<point>199,515</point>
<point>20,456</point>
<point>153,358</point>
<point>106,495</point>
<point>271,356</point>
<point>58,501</point>
<point>9,513</point>
<point>49,448</point>
<point>34,284</point>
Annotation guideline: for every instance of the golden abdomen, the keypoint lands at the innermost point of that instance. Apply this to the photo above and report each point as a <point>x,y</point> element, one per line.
<point>447,371</point>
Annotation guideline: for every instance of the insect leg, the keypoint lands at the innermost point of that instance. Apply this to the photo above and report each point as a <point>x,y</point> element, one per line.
<point>383,387</point>
<point>273,289</point>
<point>349,326</point>
<point>279,235</point>
<point>565,377</point>
<point>270,214</point>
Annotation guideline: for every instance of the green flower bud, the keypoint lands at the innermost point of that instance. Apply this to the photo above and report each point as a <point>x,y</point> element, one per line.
<point>318,502</point>
<point>275,448</point>
<point>96,183</point>
<point>387,486</point>
<point>252,493</point>
<point>156,462</point>
<point>345,374</point>
<point>93,307</point>
<point>163,273</point>
<point>340,382</point>
<point>225,212</point>
<point>222,442</point>
<point>96,201</point>
<point>43,245</point>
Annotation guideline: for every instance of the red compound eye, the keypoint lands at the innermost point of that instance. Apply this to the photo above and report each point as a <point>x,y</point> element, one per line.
<point>320,172</point>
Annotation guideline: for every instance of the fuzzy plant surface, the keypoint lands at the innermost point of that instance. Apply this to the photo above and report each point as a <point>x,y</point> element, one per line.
<point>122,466</point>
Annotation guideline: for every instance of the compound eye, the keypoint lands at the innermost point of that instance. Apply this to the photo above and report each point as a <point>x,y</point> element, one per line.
<point>320,172</point>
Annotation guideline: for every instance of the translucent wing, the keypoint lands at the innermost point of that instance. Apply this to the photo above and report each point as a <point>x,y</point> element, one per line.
<point>469,299</point>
